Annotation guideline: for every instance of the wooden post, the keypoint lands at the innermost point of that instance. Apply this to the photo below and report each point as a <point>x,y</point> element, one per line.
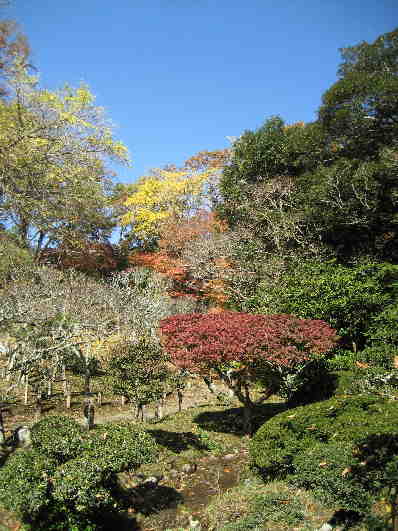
<point>49,389</point>
<point>123,400</point>
<point>99,398</point>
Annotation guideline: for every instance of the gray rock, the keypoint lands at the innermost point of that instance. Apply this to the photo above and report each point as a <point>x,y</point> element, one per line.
<point>189,468</point>
<point>22,436</point>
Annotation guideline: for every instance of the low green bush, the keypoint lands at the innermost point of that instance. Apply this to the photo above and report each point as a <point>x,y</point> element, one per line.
<point>267,509</point>
<point>120,446</point>
<point>343,419</point>
<point>70,475</point>
<point>24,483</point>
<point>323,468</point>
<point>58,436</point>
<point>80,484</point>
<point>322,447</point>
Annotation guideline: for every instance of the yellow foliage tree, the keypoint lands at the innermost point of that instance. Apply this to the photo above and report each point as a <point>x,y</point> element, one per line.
<point>172,193</point>
<point>54,146</point>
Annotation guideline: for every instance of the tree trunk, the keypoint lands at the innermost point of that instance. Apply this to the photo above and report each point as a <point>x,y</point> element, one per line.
<point>99,398</point>
<point>26,394</point>
<point>210,384</point>
<point>2,431</point>
<point>180,397</point>
<point>123,400</point>
<point>49,389</point>
<point>39,405</point>
<point>68,395</point>
<point>64,382</point>
<point>247,419</point>
<point>159,409</point>
<point>87,382</point>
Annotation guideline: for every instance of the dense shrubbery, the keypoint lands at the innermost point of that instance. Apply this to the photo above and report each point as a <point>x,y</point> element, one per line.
<point>69,475</point>
<point>58,437</point>
<point>24,483</point>
<point>119,446</point>
<point>317,447</point>
<point>346,297</point>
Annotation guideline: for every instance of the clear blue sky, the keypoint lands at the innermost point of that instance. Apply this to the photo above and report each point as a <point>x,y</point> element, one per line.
<point>179,76</point>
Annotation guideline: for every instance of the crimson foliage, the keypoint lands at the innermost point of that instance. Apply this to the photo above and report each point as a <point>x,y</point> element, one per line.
<point>202,341</point>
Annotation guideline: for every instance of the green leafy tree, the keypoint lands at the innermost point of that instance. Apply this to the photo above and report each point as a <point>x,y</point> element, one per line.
<point>54,145</point>
<point>360,111</point>
<point>140,373</point>
<point>347,298</point>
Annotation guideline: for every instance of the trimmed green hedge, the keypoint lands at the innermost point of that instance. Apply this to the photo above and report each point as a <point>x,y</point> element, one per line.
<point>24,483</point>
<point>58,436</point>
<point>70,474</point>
<point>317,447</point>
<point>339,419</point>
<point>120,446</point>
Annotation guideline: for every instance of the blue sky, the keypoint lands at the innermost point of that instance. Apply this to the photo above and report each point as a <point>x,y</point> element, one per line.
<point>179,76</point>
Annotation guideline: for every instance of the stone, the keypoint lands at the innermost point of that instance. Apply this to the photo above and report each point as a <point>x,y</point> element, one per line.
<point>189,468</point>
<point>22,436</point>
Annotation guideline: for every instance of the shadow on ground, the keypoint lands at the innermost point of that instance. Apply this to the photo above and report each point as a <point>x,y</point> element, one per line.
<point>150,499</point>
<point>177,441</point>
<point>231,420</point>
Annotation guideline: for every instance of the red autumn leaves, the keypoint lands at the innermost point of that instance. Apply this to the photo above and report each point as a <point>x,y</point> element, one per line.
<point>199,341</point>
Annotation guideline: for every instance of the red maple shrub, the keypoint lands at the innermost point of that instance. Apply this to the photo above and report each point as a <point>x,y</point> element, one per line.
<point>242,348</point>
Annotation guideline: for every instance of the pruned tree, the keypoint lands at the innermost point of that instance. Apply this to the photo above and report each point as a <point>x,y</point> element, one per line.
<point>241,348</point>
<point>56,317</point>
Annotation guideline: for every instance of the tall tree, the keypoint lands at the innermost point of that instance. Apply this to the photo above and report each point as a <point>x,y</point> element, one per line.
<point>173,195</point>
<point>360,111</point>
<point>54,183</point>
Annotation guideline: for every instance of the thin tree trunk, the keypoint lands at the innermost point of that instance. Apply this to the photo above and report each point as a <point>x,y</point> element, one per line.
<point>64,382</point>
<point>210,384</point>
<point>87,382</point>
<point>88,411</point>
<point>180,397</point>
<point>39,405</point>
<point>2,431</point>
<point>159,409</point>
<point>247,419</point>
<point>68,395</point>
<point>49,388</point>
<point>26,395</point>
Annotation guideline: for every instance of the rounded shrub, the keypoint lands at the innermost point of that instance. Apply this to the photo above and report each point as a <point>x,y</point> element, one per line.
<point>24,483</point>
<point>120,446</point>
<point>323,468</point>
<point>341,419</point>
<point>80,484</point>
<point>59,437</point>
